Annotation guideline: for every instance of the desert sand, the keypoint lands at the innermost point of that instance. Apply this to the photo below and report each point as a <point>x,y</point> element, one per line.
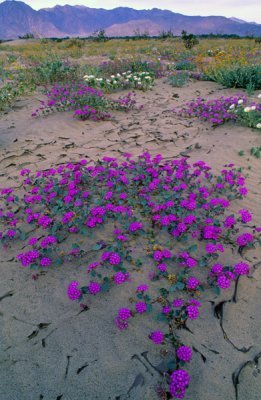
<point>50,350</point>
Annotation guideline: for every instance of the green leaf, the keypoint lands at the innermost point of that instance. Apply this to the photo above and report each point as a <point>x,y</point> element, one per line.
<point>161,317</point>
<point>172,288</point>
<point>97,246</point>
<point>22,236</point>
<point>216,290</point>
<point>171,365</point>
<point>149,308</point>
<point>192,248</point>
<point>180,285</point>
<point>105,287</point>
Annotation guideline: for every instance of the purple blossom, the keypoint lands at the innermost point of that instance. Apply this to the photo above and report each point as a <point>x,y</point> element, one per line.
<point>94,288</point>
<point>157,337</point>
<point>241,268</point>
<point>124,313</point>
<point>141,307</point>
<point>184,353</point>
<point>73,292</point>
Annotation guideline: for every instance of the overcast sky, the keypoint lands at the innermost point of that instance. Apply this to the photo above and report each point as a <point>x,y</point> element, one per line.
<point>249,10</point>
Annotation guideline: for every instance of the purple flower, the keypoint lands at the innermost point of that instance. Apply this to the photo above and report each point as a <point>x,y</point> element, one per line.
<point>192,312</point>
<point>32,241</point>
<point>223,282</point>
<point>178,303</point>
<point>162,267</point>
<point>114,259</point>
<point>93,266</point>
<point>157,255</point>
<point>135,226</point>
<point>179,380</point>
<point>142,288</point>
<point>141,307</point>
<point>124,313</point>
<point>94,288</point>
<point>10,233</point>
<point>120,277</point>
<point>73,292</point>
<point>217,269</point>
<point>166,310</point>
<point>45,262</point>
<point>121,324</point>
<point>241,268</point>
<point>192,283</point>
<point>245,215</point>
<point>244,239</point>
<point>157,337</point>
<point>184,353</point>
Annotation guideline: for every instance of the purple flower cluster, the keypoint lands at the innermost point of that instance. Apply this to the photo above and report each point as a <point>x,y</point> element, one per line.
<point>179,381</point>
<point>216,111</point>
<point>73,292</point>
<point>157,337</point>
<point>184,353</point>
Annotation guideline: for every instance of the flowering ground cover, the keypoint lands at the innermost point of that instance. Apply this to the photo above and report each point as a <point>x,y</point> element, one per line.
<point>144,266</point>
<point>172,215</point>
<point>234,108</point>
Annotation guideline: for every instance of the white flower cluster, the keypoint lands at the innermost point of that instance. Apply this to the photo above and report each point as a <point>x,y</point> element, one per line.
<point>249,115</point>
<point>137,80</point>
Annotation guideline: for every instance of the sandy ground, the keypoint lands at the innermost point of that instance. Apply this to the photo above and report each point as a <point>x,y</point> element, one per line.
<point>51,351</point>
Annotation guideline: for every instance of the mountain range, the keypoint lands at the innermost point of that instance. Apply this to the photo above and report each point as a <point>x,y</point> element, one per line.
<point>18,19</point>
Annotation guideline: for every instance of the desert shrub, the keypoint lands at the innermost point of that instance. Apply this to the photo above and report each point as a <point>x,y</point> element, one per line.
<point>170,220</point>
<point>11,91</point>
<point>256,151</point>
<point>178,79</point>
<point>163,35</point>
<point>100,36</point>
<point>186,65</point>
<point>237,76</point>
<point>54,71</point>
<point>189,39</point>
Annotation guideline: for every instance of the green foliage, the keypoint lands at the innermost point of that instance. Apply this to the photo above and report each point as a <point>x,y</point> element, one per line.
<point>27,36</point>
<point>10,91</point>
<point>53,71</point>
<point>100,36</point>
<point>256,152</point>
<point>178,79</point>
<point>189,39</point>
<point>237,76</point>
<point>166,34</point>
<point>185,65</point>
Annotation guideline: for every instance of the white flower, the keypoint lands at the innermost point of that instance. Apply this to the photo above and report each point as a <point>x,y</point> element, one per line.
<point>240,101</point>
<point>112,76</point>
<point>259,125</point>
<point>232,106</point>
<point>247,109</point>
<point>253,108</point>
<point>119,75</point>
<point>259,96</point>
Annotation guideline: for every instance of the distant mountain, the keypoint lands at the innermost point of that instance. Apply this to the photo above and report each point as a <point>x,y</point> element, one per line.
<point>17,19</point>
